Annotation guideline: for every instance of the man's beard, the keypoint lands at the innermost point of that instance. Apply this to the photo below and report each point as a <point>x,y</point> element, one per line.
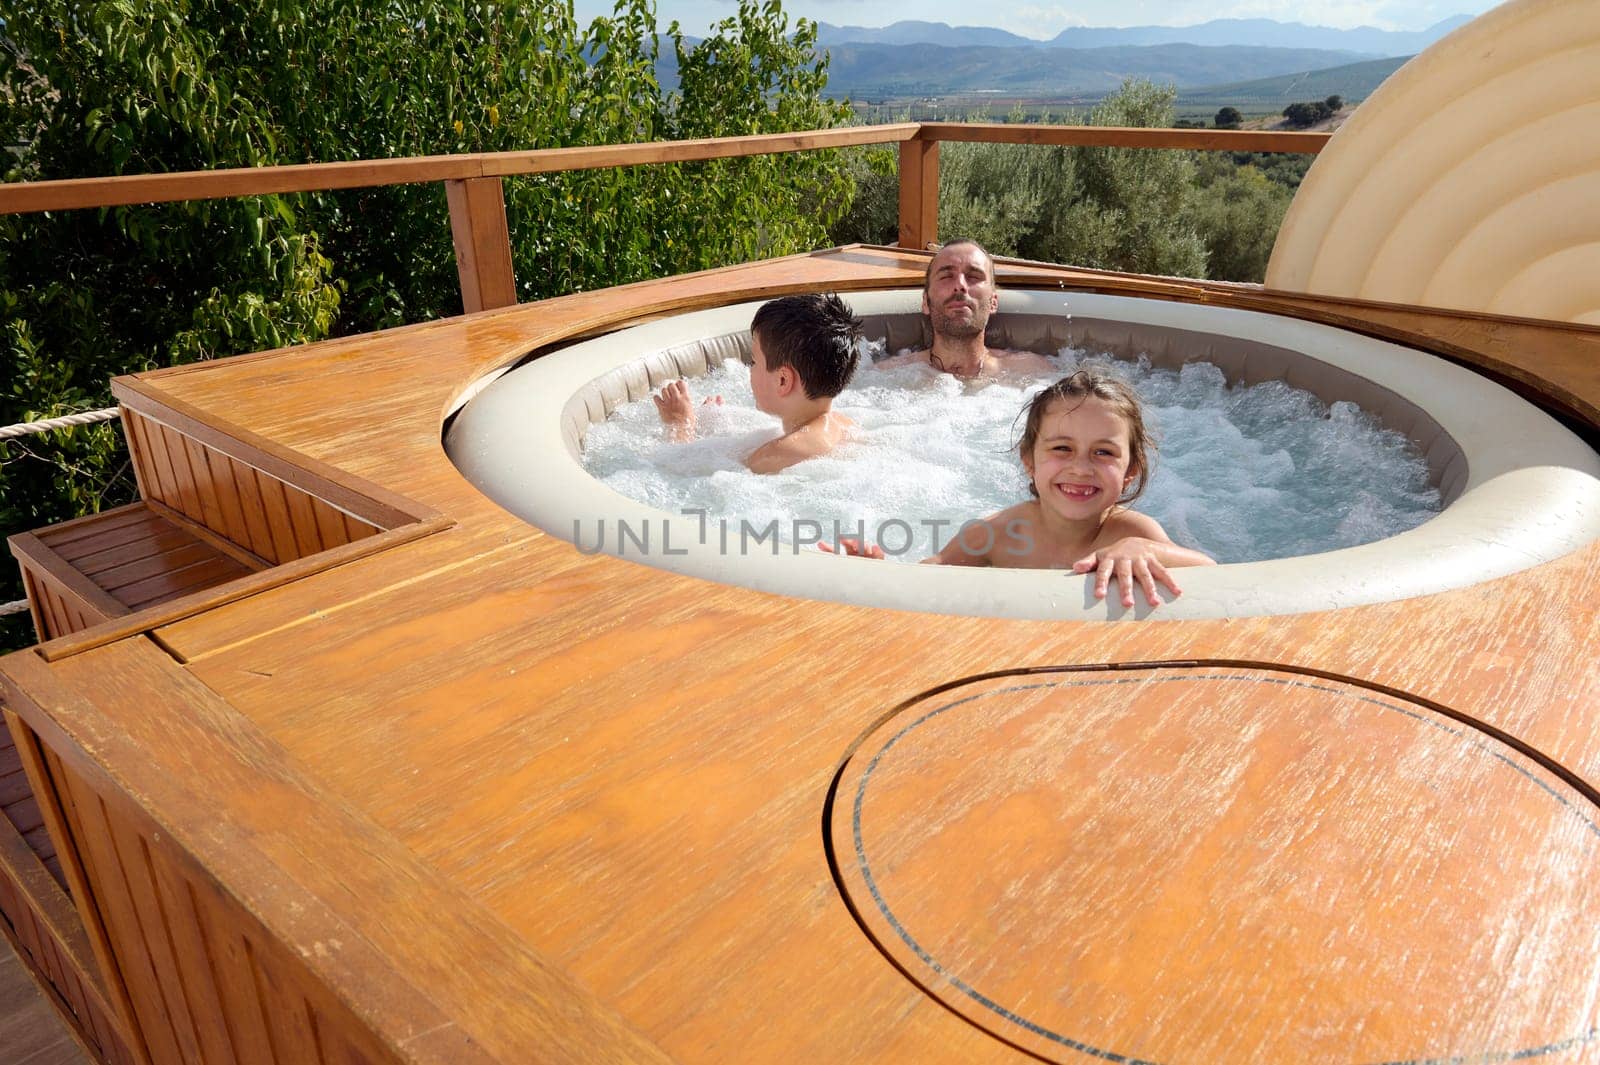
<point>951,325</point>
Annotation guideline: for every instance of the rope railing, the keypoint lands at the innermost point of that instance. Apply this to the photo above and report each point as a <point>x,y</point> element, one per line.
<point>66,421</point>
<point>46,425</point>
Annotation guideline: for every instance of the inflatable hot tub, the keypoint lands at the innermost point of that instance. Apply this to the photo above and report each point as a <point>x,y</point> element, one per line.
<point>1519,489</point>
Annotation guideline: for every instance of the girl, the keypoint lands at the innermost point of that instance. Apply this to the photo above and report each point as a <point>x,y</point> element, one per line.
<point>1087,454</point>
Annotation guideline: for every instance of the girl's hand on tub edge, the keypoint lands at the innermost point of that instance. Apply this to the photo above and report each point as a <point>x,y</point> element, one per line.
<point>857,548</point>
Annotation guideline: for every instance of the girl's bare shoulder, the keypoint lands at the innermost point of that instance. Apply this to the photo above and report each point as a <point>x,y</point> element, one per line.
<point>1027,512</point>
<point>983,541</point>
<point>1122,522</point>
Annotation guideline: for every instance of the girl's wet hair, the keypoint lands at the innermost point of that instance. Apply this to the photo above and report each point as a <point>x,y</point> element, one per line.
<point>1114,392</point>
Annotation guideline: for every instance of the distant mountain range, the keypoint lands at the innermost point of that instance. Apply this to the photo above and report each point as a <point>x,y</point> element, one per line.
<point>1226,58</point>
<point>868,70</point>
<point>1262,33</point>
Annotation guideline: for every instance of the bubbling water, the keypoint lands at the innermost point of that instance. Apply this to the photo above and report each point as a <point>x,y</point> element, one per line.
<point>1241,473</point>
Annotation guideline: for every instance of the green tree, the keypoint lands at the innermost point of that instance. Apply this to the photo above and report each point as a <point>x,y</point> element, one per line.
<point>1130,209</point>
<point>1000,194</point>
<point>1237,211</point>
<point>109,89</point>
<point>1205,214</point>
<point>1119,209</point>
<point>873,216</point>
<point>1228,118</point>
<point>752,76</point>
<point>1282,168</point>
<point>144,86</point>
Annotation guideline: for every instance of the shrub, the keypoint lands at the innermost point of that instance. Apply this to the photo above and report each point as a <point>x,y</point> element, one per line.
<point>1301,115</point>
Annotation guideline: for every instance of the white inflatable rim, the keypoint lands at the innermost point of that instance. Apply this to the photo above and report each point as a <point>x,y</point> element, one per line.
<point>1531,493</point>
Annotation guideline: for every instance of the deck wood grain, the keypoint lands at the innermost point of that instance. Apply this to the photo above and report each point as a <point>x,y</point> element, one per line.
<point>486,788</point>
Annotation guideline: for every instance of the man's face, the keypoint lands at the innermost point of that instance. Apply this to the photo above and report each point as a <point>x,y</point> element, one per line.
<point>960,295</point>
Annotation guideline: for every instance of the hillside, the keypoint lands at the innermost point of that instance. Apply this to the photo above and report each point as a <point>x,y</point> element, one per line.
<point>1354,81</point>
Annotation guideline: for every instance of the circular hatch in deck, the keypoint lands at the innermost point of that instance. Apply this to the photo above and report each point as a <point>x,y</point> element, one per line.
<point>1188,865</point>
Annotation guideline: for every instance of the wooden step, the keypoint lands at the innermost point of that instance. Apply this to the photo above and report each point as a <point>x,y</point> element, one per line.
<point>107,565</point>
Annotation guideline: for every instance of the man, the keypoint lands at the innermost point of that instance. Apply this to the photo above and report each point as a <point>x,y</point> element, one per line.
<point>958,295</point>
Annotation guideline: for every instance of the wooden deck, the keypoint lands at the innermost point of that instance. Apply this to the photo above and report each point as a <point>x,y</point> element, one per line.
<point>464,794</point>
<point>31,1032</point>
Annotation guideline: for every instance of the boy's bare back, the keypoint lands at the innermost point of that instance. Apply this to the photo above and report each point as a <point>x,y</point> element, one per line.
<point>812,440</point>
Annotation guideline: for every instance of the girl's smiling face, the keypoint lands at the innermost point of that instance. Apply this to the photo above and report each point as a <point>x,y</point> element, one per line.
<point>1080,463</point>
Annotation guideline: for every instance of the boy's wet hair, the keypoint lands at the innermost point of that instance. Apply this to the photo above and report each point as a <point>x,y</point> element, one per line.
<point>814,333</point>
<point>1114,392</point>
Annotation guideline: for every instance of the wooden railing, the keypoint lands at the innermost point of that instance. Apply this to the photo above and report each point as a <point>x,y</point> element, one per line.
<point>474,185</point>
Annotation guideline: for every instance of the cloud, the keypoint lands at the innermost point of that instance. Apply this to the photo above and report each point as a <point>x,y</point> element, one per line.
<point>1420,14</point>
<point>1041,21</point>
<point>1340,14</point>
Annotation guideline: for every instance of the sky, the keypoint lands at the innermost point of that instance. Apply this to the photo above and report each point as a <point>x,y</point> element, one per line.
<point>1045,18</point>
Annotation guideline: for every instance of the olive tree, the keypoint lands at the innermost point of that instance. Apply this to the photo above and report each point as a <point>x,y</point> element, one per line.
<point>1130,207</point>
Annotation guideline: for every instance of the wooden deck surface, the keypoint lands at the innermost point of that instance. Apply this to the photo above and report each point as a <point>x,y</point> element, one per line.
<point>31,1032</point>
<point>577,805</point>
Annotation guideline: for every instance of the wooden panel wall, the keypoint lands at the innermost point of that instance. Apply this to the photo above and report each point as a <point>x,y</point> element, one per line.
<point>56,609</point>
<point>22,810</point>
<point>256,510</point>
<point>203,981</point>
<point>44,926</point>
<point>63,974</point>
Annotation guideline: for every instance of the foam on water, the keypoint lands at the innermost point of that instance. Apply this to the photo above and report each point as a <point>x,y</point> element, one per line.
<point>1243,474</point>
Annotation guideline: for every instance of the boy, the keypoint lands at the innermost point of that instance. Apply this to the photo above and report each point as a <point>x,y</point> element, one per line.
<point>803,351</point>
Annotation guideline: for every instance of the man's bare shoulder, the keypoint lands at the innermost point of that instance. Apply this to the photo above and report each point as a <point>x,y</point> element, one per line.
<point>905,358</point>
<point>1010,360</point>
<point>1026,361</point>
